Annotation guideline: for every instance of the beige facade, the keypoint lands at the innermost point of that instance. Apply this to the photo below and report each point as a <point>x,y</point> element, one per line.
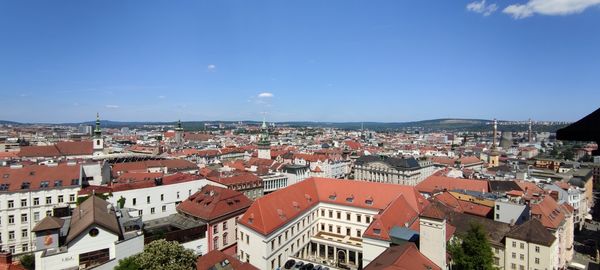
<point>523,255</point>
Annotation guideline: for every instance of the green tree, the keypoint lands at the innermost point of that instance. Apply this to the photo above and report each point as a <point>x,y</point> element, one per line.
<point>121,202</point>
<point>472,251</point>
<point>28,261</point>
<point>568,154</point>
<point>128,263</point>
<point>166,255</point>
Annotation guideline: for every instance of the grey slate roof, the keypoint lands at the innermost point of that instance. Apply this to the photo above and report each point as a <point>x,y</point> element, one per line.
<point>532,231</point>
<point>398,163</point>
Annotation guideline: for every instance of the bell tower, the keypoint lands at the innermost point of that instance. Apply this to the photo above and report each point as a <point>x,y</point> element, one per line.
<point>493,157</point>
<point>179,134</point>
<point>264,143</point>
<point>98,141</point>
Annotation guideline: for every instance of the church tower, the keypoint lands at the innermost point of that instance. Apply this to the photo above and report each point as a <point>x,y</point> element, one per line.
<point>494,156</point>
<point>179,134</point>
<point>530,133</point>
<point>264,143</point>
<point>98,142</point>
<point>432,235</point>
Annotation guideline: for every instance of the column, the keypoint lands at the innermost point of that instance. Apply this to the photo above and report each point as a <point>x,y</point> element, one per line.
<point>318,250</point>
<point>347,256</point>
<point>326,252</point>
<point>335,254</point>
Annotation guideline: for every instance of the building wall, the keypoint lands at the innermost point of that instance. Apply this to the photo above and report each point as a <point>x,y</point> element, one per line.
<point>226,229</point>
<point>523,255</point>
<point>372,248</point>
<point>510,213</point>
<point>163,206</point>
<point>34,213</point>
<point>432,240</point>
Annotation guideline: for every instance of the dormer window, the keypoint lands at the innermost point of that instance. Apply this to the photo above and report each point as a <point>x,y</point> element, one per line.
<point>44,184</point>
<point>377,231</point>
<point>4,187</point>
<point>332,196</point>
<point>369,201</point>
<point>350,199</point>
<point>58,183</point>
<point>25,185</point>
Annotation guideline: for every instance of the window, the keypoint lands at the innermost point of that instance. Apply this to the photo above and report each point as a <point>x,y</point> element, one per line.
<point>514,244</point>
<point>224,239</point>
<point>49,213</point>
<point>521,267</point>
<point>522,245</point>
<point>339,215</point>
<point>358,233</point>
<point>216,242</point>
<point>134,201</point>
<point>286,235</point>
<point>278,240</point>
<point>330,213</point>
<point>348,231</point>
<point>322,212</point>
<point>23,218</point>
<point>72,197</point>
<point>11,235</point>
<point>537,260</point>
<point>338,229</point>
<point>152,211</point>
<point>215,229</point>
<point>537,249</point>
<point>23,202</point>
<point>368,219</point>
<point>61,199</point>
<point>273,245</point>
<point>36,216</point>
<point>247,239</point>
<point>330,228</point>
<point>497,216</point>
<point>164,208</point>
<point>358,218</point>
<point>36,201</point>
<point>513,266</point>
<point>322,226</point>
<point>24,233</point>
<point>12,249</point>
<point>347,216</point>
<point>147,199</point>
<point>225,225</point>
<point>162,197</point>
<point>48,200</point>
<point>497,207</point>
<point>25,247</point>
<point>140,212</point>
<point>521,257</point>
<point>177,194</point>
<point>514,255</point>
<point>11,219</point>
<point>11,204</point>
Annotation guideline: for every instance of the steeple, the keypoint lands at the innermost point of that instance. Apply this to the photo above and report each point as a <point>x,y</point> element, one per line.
<point>97,130</point>
<point>494,134</point>
<point>264,143</point>
<point>179,125</point>
<point>493,157</point>
<point>179,140</point>
<point>530,134</point>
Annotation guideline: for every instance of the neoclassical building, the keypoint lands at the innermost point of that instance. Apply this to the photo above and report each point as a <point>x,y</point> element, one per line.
<point>384,169</point>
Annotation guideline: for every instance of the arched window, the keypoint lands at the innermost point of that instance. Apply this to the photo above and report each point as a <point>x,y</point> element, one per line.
<point>224,239</point>
<point>97,142</point>
<point>216,242</point>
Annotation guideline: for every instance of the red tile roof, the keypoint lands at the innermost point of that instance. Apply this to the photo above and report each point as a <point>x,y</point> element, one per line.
<point>548,211</point>
<point>145,183</point>
<point>403,257</point>
<point>59,149</point>
<point>271,211</point>
<point>36,174</point>
<point>236,179</point>
<point>436,183</point>
<point>217,257</point>
<point>213,203</point>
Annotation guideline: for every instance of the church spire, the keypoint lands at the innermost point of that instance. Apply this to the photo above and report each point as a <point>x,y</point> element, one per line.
<point>494,134</point>
<point>530,135</point>
<point>97,130</point>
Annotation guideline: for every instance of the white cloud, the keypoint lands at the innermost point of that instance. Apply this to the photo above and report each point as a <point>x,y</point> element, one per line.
<point>549,7</point>
<point>211,67</point>
<point>265,95</point>
<point>482,8</point>
<point>162,97</point>
<point>112,106</point>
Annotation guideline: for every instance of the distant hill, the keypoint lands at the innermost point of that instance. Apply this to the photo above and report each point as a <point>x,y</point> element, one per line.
<point>445,124</point>
<point>5,122</point>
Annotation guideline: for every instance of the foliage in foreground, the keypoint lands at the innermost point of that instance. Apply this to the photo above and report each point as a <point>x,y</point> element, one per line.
<point>472,250</point>
<point>160,255</point>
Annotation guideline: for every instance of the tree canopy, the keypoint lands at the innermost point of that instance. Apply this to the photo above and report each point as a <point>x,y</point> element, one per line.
<point>160,254</point>
<point>472,250</point>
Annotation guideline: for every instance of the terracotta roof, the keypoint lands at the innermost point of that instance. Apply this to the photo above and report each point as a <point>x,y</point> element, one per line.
<point>433,212</point>
<point>532,231</point>
<point>237,179</point>
<point>548,211</point>
<point>48,223</point>
<point>36,175</point>
<point>58,149</point>
<point>93,211</point>
<point>403,257</point>
<point>397,213</point>
<point>216,259</point>
<point>212,202</point>
<point>143,166</point>
<point>272,211</point>
<point>437,183</point>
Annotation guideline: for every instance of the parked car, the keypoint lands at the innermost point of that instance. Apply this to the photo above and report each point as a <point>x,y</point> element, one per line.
<point>299,264</point>
<point>308,266</point>
<point>289,264</point>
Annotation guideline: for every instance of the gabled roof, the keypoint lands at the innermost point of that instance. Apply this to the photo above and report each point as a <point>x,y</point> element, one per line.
<point>217,260</point>
<point>532,231</point>
<point>59,149</point>
<point>17,178</point>
<point>212,202</point>
<point>403,257</point>
<point>399,213</point>
<point>48,223</point>
<point>549,212</point>
<point>272,211</point>
<point>93,211</point>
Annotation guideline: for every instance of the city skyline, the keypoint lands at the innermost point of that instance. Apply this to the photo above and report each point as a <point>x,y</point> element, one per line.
<point>340,61</point>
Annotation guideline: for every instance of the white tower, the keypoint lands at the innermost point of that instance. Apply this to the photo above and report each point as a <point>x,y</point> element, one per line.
<point>179,134</point>
<point>432,235</point>
<point>264,144</point>
<point>98,142</point>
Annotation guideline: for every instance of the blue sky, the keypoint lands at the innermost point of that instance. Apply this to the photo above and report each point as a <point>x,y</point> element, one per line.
<point>311,60</point>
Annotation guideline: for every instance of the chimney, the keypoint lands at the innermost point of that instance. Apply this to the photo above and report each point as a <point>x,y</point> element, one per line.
<point>5,258</point>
